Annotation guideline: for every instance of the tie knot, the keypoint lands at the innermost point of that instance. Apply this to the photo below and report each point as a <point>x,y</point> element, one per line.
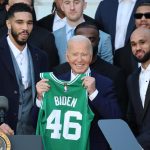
<point>70,33</point>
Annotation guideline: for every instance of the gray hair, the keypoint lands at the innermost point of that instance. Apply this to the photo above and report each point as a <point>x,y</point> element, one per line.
<point>80,38</point>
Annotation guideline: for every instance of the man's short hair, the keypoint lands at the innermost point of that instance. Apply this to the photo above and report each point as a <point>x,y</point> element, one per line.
<point>18,7</point>
<point>86,24</point>
<point>143,4</point>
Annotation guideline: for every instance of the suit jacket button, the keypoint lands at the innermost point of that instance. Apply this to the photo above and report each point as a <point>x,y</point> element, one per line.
<point>15,92</point>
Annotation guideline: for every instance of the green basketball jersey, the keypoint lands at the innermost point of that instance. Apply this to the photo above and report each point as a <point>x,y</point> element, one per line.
<point>65,117</point>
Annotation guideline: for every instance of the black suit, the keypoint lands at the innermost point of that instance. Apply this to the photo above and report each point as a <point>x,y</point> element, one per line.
<point>123,58</point>
<point>47,22</point>
<point>8,81</point>
<point>104,106</point>
<point>43,40</point>
<point>139,117</point>
<point>2,15</point>
<point>106,69</point>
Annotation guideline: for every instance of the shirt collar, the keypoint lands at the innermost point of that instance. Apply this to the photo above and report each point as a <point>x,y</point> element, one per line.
<point>14,49</point>
<point>68,28</point>
<point>73,75</point>
<point>147,69</point>
<point>57,18</point>
<point>119,1</point>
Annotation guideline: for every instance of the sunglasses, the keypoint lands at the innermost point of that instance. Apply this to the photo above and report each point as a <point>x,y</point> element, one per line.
<point>140,15</point>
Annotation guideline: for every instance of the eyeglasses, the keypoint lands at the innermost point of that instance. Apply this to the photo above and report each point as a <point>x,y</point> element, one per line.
<point>140,15</point>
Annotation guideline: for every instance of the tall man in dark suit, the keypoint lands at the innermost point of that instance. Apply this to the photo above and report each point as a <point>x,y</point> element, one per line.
<point>102,67</point>
<point>102,98</point>
<point>39,37</point>
<point>123,56</point>
<point>139,88</point>
<point>20,65</point>
<point>74,15</point>
<point>109,16</point>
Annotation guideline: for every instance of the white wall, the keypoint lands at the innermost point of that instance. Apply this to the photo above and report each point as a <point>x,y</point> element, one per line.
<point>43,7</point>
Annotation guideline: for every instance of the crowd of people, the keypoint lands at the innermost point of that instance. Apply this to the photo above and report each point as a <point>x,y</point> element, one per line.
<point>110,51</point>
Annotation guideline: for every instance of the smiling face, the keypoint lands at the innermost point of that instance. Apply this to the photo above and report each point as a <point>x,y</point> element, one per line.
<point>140,44</point>
<point>73,9</point>
<point>143,21</point>
<point>20,27</point>
<point>79,55</point>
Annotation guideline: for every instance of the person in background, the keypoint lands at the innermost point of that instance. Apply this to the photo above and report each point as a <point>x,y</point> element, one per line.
<point>91,31</point>
<point>119,24</point>
<point>2,13</point>
<point>55,20</point>
<point>102,97</point>
<point>40,38</point>
<point>125,58</point>
<point>74,15</point>
<point>139,88</point>
<point>20,65</point>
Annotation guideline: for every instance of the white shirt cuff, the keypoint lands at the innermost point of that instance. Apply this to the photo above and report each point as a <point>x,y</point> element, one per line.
<point>93,95</point>
<point>38,102</point>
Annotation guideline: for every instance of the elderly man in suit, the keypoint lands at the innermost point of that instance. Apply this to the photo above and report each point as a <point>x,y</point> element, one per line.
<point>139,88</point>
<point>20,65</point>
<point>91,31</point>
<point>74,15</point>
<point>102,98</point>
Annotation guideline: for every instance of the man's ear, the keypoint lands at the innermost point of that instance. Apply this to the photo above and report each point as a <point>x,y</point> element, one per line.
<point>85,5</point>
<point>67,59</point>
<point>8,24</point>
<point>7,7</point>
<point>62,7</point>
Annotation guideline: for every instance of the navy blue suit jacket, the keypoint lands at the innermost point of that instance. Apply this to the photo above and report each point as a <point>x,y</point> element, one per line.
<point>106,16</point>
<point>8,82</point>
<point>104,106</point>
<point>139,116</point>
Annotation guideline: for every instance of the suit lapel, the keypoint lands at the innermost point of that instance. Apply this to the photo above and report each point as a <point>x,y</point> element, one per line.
<point>35,60</point>
<point>113,18</point>
<point>147,99</point>
<point>5,57</point>
<point>51,22</point>
<point>131,25</point>
<point>136,95</point>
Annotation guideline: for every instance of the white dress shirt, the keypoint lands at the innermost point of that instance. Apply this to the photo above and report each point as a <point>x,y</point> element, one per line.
<point>125,9</point>
<point>21,59</point>
<point>144,80</point>
<point>58,22</point>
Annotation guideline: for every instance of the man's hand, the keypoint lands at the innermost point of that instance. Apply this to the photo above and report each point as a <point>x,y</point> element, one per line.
<point>6,129</point>
<point>89,84</point>
<point>42,86</point>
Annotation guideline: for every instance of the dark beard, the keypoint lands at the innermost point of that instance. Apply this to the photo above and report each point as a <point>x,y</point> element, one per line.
<point>15,36</point>
<point>144,59</point>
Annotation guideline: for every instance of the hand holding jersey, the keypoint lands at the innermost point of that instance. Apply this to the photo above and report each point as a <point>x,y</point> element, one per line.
<point>88,83</point>
<point>79,55</point>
